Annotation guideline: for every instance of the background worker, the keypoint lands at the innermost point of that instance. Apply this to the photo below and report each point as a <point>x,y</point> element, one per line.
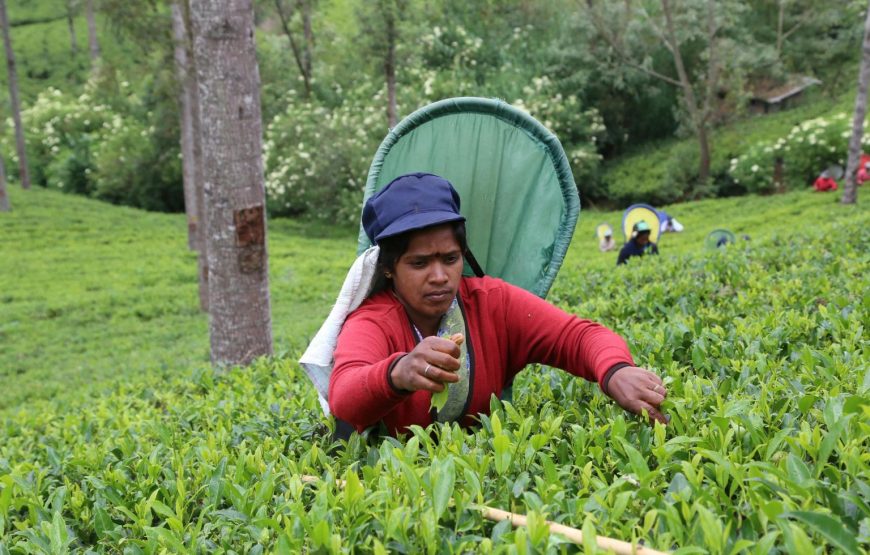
<point>638,245</point>
<point>607,243</point>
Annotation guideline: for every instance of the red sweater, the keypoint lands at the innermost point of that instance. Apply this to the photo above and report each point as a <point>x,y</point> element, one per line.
<point>509,328</point>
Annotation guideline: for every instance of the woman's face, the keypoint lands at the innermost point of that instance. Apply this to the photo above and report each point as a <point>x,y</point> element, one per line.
<point>426,278</point>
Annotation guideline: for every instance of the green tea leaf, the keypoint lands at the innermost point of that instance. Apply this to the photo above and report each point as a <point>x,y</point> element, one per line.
<point>216,481</point>
<point>353,488</point>
<point>439,399</point>
<point>502,447</point>
<point>635,459</point>
<point>829,527</point>
<point>445,478</point>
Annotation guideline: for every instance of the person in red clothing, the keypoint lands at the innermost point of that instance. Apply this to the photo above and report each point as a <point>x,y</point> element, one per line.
<point>863,166</point>
<point>825,182</point>
<point>393,352</point>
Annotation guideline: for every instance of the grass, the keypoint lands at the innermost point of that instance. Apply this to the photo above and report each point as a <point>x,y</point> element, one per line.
<point>116,436</point>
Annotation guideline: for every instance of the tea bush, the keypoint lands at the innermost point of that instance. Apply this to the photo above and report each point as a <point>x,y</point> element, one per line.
<point>763,346</point>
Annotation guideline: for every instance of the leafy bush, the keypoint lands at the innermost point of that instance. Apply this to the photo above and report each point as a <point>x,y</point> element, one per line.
<point>809,148</point>
<point>668,171</point>
<point>60,133</point>
<point>577,129</point>
<point>318,152</point>
<point>317,158</point>
<point>111,152</point>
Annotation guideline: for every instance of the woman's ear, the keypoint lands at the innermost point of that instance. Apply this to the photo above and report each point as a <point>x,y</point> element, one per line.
<point>388,275</point>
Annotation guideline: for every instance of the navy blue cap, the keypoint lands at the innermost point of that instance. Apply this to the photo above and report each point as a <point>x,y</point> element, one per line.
<point>409,202</point>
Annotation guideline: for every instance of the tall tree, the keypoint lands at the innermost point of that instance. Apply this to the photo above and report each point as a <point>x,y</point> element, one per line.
<point>191,144</point>
<point>807,36</point>
<point>93,41</point>
<point>303,55</point>
<point>659,28</point>
<point>783,31</point>
<point>4,199</point>
<point>850,190</point>
<point>70,22</point>
<point>691,31</point>
<point>240,315</point>
<point>379,23</point>
<point>182,70</point>
<point>391,36</point>
<point>23,171</point>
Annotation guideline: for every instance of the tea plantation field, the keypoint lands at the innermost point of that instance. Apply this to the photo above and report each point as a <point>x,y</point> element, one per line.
<point>115,436</point>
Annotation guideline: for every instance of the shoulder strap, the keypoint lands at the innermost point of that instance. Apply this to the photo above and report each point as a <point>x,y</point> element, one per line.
<point>475,267</point>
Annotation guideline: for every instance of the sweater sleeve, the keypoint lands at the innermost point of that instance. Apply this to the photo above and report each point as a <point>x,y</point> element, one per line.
<point>542,333</point>
<point>359,390</point>
<point>623,256</point>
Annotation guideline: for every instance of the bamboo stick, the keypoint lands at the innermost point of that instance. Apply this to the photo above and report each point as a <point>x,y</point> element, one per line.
<point>497,515</point>
<point>617,546</point>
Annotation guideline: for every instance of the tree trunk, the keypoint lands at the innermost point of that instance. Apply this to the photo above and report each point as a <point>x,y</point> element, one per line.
<point>240,316</point>
<point>70,21</point>
<point>704,152</point>
<point>192,89</point>
<point>199,180</point>
<point>779,20</point>
<point>23,172</point>
<point>198,171</point>
<point>308,35</point>
<point>698,119</point>
<point>778,175</point>
<point>303,59</point>
<point>182,71</point>
<point>4,199</point>
<point>850,189</point>
<point>390,70</point>
<point>93,42</point>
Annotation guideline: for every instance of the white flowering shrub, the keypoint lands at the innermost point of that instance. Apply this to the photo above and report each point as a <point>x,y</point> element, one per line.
<point>808,149</point>
<point>578,129</point>
<point>83,145</point>
<point>130,169</point>
<point>61,132</point>
<point>317,158</point>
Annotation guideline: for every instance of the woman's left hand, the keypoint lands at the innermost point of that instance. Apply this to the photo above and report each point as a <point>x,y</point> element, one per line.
<point>638,390</point>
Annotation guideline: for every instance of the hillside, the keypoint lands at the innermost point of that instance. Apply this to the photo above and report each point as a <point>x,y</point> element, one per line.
<point>763,347</point>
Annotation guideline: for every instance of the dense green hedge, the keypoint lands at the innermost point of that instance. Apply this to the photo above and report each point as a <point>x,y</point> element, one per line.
<point>763,347</point>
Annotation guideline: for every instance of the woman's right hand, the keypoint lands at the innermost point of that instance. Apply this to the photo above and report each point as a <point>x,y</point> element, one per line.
<point>432,363</point>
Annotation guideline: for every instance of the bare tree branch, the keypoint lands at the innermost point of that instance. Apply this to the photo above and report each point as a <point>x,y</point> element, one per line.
<point>782,36</point>
<point>658,32</point>
<point>712,62</point>
<point>300,63</point>
<point>617,46</point>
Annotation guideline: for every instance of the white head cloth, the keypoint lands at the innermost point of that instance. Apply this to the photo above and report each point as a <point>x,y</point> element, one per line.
<point>318,359</point>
